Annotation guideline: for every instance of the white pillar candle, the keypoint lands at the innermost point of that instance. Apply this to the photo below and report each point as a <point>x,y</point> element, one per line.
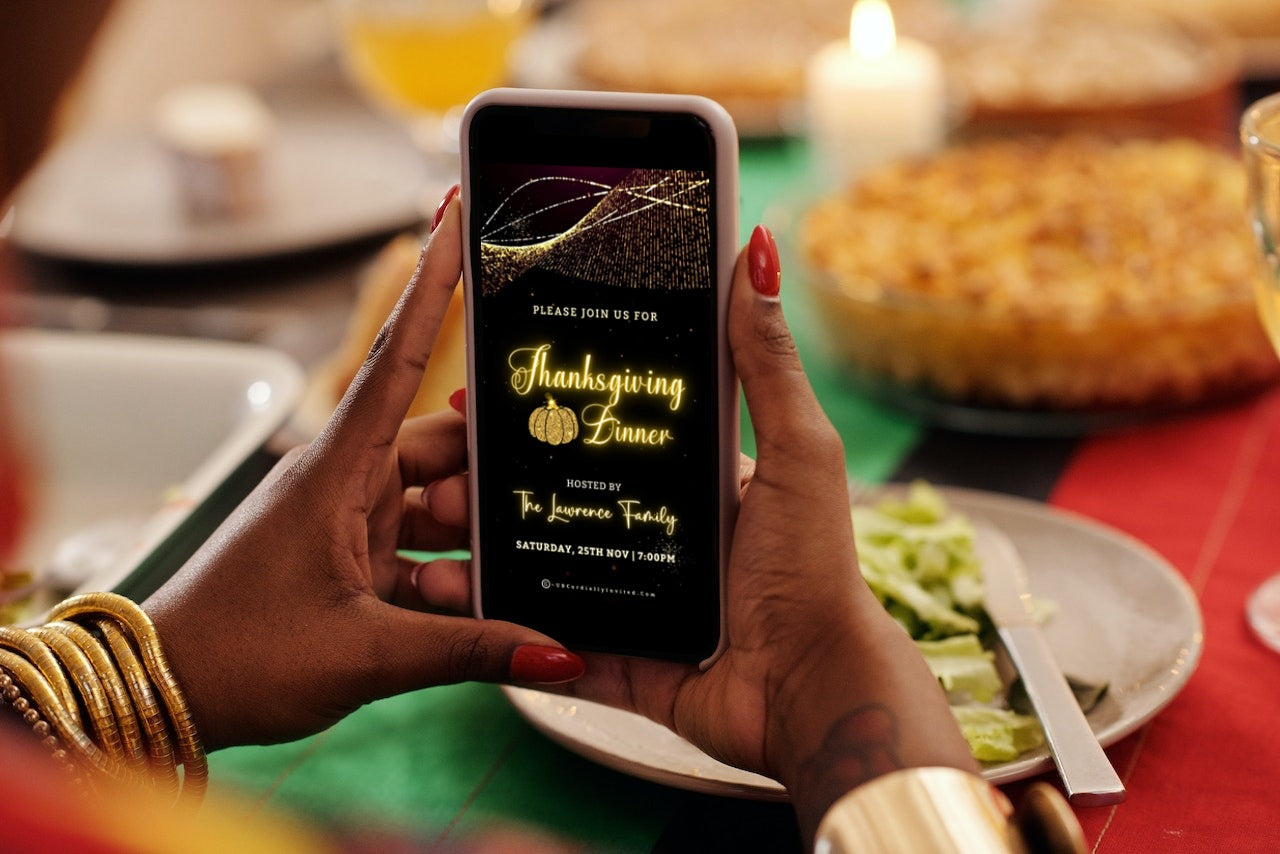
<point>873,98</point>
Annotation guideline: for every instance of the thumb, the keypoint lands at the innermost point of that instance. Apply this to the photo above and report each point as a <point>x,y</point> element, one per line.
<point>374,406</point>
<point>789,423</point>
<point>418,650</point>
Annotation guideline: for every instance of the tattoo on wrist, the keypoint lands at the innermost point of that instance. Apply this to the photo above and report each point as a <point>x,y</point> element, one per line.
<point>859,747</point>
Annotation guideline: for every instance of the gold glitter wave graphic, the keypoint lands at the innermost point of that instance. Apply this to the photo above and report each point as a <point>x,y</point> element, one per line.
<point>650,230</point>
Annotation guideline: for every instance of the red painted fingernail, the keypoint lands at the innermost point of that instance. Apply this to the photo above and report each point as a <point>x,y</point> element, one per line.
<point>444,205</point>
<point>762,263</point>
<point>458,400</point>
<point>533,662</point>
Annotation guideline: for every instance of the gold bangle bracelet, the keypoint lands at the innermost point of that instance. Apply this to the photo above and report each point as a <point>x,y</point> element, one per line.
<point>94,697</point>
<point>131,742</point>
<point>921,809</point>
<point>940,809</point>
<point>47,702</point>
<point>195,769</point>
<point>154,726</point>
<point>11,694</point>
<point>37,652</point>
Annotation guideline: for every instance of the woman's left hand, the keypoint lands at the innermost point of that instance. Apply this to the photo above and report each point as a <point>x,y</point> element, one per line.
<point>298,610</point>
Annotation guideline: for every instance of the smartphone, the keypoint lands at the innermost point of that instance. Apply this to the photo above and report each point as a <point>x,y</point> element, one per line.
<point>601,233</point>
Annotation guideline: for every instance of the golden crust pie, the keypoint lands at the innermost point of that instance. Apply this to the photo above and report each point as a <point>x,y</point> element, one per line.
<point>1067,273</point>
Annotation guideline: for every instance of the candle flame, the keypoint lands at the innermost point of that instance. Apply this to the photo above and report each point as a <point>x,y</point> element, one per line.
<point>871,33</point>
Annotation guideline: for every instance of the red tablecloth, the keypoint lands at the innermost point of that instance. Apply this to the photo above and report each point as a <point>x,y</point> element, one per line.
<point>1205,492</point>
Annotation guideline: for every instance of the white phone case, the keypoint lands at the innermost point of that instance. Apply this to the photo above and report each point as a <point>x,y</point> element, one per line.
<point>725,141</point>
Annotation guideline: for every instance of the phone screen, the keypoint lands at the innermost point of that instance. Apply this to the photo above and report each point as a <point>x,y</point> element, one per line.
<point>596,378</point>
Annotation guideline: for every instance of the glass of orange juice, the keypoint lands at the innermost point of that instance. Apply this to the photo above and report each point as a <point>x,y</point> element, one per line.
<point>423,60</point>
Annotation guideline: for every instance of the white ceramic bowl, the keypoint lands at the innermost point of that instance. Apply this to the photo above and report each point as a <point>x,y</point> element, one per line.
<point>125,436</point>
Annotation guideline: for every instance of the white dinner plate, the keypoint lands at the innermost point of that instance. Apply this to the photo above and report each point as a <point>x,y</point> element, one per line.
<point>112,196</point>
<point>124,436</point>
<point>1124,616</point>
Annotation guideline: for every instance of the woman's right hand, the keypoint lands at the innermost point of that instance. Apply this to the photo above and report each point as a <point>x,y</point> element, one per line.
<point>818,687</point>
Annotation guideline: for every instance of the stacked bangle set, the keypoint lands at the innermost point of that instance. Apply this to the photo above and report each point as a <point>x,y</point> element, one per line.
<point>94,686</point>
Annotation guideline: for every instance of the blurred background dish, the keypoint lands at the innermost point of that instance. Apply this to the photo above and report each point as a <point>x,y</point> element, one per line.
<point>125,437</point>
<point>1042,64</point>
<point>1075,274</point>
<point>744,55</point>
<point>327,176</point>
<point>1255,22</point>
<point>748,55</point>
<point>1084,65</point>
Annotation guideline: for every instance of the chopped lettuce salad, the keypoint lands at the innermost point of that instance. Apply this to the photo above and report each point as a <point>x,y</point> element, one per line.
<point>918,558</point>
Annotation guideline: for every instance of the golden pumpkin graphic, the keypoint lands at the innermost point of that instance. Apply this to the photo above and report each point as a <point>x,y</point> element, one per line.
<point>553,423</point>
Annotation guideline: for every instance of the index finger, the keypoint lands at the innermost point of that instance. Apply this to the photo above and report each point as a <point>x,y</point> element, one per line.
<point>378,398</point>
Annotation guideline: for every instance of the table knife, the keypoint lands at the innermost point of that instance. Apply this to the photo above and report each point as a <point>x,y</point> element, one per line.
<point>1086,772</point>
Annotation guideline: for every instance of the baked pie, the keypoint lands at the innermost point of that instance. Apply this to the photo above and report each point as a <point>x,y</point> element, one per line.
<point>1067,273</point>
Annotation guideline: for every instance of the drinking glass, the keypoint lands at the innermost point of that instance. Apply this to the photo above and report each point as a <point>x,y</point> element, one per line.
<point>423,60</point>
<point>1260,138</point>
